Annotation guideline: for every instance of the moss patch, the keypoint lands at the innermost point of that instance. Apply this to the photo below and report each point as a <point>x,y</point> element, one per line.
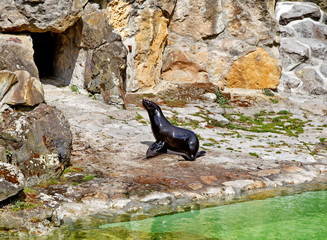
<point>282,123</point>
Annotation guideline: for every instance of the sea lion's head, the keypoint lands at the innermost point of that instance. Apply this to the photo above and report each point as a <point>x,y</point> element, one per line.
<point>149,105</point>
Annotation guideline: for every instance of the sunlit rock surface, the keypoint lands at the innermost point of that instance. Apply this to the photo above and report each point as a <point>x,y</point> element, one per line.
<point>38,142</point>
<point>12,180</point>
<point>303,47</point>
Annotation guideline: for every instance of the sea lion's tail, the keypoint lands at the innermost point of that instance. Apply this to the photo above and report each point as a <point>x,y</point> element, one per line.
<point>201,154</point>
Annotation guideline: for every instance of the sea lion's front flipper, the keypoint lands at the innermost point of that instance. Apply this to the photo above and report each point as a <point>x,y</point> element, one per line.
<point>155,149</point>
<point>201,154</point>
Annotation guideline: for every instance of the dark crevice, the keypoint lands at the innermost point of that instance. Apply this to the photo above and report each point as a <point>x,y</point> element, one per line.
<point>210,37</point>
<point>44,51</point>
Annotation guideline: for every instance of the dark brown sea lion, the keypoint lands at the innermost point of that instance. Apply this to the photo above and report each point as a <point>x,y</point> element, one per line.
<point>170,137</point>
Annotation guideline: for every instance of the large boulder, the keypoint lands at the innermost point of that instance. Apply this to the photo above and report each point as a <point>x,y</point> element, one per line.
<point>309,29</point>
<point>12,180</point>
<point>313,82</point>
<point>19,76</point>
<point>39,141</point>
<point>299,12</point>
<point>16,53</point>
<point>293,53</point>
<point>39,15</point>
<point>256,70</point>
<point>27,92</point>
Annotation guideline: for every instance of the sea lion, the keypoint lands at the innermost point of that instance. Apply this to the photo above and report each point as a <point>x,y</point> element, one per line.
<point>170,137</point>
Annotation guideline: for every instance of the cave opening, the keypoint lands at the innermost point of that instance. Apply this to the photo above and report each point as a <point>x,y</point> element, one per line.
<point>44,45</point>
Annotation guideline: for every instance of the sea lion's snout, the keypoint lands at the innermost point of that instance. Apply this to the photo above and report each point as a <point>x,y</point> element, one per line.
<point>149,105</point>
<point>145,103</point>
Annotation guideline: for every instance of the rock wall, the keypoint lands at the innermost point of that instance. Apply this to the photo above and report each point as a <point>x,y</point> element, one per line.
<point>303,47</point>
<point>91,56</point>
<point>119,46</point>
<point>176,42</point>
<point>115,47</point>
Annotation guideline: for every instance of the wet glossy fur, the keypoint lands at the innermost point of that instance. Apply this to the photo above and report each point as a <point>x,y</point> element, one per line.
<point>170,137</point>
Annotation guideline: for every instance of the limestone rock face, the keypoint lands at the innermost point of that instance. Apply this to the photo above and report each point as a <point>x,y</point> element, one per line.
<point>179,68</point>
<point>293,53</point>
<point>313,83</point>
<point>107,70</point>
<point>197,19</point>
<point>303,47</point>
<point>256,70</point>
<point>92,56</point>
<point>299,11</point>
<point>250,21</point>
<point>117,47</point>
<point>39,15</point>
<point>310,29</point>
<point>182,42</point>
<point>38,142</point>
<point>150,41</point>
<point>28,91</point>
<point>7,79</point>
<point>95,28</point>
<point>12,180</point>
<point>16,53</point>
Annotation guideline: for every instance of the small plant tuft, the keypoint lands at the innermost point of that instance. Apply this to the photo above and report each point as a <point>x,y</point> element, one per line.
<point>284,112</point>
<point>268,92</point>
<point>254,154</point>
<point>88,177</point>
<point>74,88</point>
<point>221,100</point>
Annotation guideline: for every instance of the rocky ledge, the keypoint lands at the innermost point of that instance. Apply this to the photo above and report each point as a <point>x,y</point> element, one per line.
<point>259,144</point>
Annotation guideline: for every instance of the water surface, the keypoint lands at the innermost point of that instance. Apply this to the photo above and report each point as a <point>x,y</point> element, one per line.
<point>302,216</point>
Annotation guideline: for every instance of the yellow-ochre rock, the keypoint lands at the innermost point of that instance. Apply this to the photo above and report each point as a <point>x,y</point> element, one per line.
<point>256,70</point>
<point>150,41</point>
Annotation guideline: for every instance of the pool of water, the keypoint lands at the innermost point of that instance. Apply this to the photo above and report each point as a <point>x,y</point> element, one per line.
<point>302,216</point>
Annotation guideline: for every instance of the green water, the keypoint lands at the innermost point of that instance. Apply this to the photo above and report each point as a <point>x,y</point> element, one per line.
<point>302,216</point>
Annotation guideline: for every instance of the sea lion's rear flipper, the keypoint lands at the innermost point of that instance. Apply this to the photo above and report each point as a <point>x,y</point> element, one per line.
<point>191,157</point>
<point>155,149</point>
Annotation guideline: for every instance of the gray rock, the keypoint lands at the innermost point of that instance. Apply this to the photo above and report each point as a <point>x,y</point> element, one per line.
<point>11,180</point>
<point>16,53</point>
<point>312,82</point>
<point>220,119</point>
<point>27,92</point>
<point>290,82</point>
<point>308,29</point>
<point>106,71</point>
<point>96,29</point>
<point>293,53</point>
<point>300,11</point>
<point>210,97</point>
<point>7,79</point>
<point>3,156</point>
<point>318,47</point>
<point>287,32</point>
<point>323,70</point>
<point>39,141</point>
<point>158,198</point>
<point>39,16</point>
<point>321,31</point>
